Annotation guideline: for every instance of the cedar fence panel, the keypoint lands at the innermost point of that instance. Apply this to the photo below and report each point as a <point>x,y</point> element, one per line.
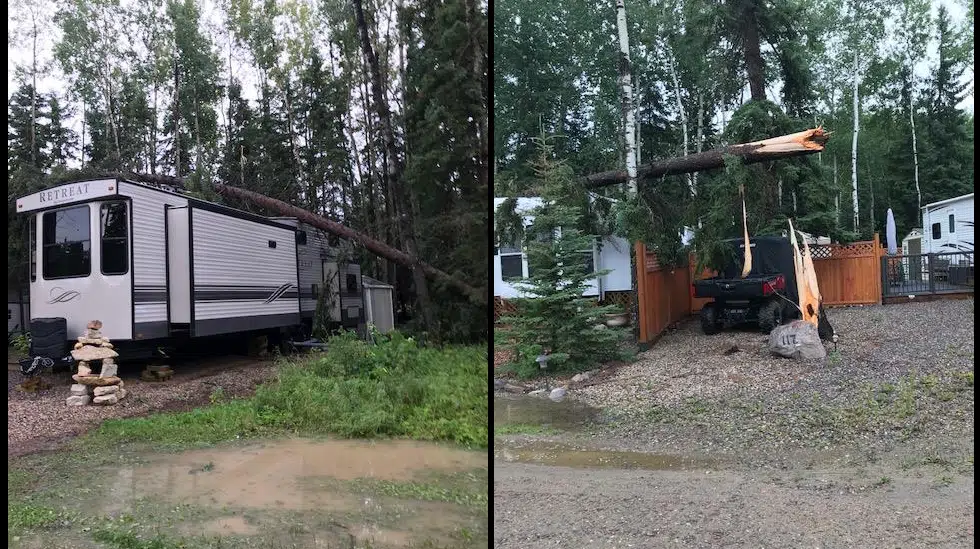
<point>664,295</point>
<point>849,274</point>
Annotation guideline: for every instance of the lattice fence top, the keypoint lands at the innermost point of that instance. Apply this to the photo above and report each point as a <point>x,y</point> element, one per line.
<point>839,251</point>
<point>623,299</point>
<point>652,263</point>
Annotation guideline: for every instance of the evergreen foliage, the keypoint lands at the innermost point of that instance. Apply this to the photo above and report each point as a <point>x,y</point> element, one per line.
<point>555,319</point>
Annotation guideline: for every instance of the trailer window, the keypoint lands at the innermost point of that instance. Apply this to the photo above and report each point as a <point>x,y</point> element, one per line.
<point>511,261</point>
<point>937,231</point>
<point>32,245</point>
<point>352,283</point>
<point>952,223</point>
<point>115,238</point>
<point>66,243</point>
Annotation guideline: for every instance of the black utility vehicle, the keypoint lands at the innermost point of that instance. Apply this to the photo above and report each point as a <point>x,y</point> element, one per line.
<point>767,296</point>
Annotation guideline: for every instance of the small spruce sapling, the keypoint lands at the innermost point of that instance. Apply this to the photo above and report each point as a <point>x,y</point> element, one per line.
<point>555,318</point>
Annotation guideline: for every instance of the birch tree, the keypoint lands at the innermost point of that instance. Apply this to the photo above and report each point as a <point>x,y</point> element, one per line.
<point>913,25</point>
<point>865,22</point>
<point>628,106</point>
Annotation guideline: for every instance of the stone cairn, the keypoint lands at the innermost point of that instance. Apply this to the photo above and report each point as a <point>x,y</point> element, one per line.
<point>104,388</point>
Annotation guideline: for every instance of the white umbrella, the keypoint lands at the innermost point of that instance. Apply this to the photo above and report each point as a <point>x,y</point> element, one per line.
<point>890,237</point>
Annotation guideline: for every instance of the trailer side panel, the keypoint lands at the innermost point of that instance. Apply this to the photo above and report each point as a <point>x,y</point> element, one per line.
<point>243,274</point>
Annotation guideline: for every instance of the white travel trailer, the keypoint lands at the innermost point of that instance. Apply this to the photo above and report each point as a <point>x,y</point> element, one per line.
<point>948,225</point>
<point>510,260</point>
<point>154,264</point>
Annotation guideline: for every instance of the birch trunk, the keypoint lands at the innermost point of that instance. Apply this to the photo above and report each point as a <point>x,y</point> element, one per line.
<point>836,186</point>
<point>871,190</point>
<point>854,149</point>
<point>680,109</point>
<point>629,135</point>
<point>629,119</point>
<point>699,140</point>
<point>915,152</point>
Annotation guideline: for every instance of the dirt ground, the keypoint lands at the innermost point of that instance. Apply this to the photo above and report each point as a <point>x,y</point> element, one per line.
<point>287,493</point>
<point>691,446</point>
<point>41,421</point>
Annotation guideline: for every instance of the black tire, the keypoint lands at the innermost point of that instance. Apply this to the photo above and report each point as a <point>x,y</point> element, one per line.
<point>771,315</point>
<point>710,323</point>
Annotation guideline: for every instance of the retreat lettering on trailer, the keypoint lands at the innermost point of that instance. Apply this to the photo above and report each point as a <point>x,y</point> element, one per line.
<point>63,193</point>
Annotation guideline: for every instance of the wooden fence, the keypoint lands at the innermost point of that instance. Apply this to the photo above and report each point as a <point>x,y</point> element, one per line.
<point>847,274</point>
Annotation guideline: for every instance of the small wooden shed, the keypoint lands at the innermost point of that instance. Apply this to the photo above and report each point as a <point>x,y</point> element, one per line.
<point>379,304</point>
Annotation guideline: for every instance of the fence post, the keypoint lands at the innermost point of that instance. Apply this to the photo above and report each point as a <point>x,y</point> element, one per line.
<point>639,251</point>
<point>879,253</point>
<point>932,274</point>
<point>883,278</point>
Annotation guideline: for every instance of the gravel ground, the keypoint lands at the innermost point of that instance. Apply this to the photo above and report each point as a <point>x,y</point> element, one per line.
<point>898,371</point>
<point>537,506</point>
<point>804,451</point>
<point>39,421</point>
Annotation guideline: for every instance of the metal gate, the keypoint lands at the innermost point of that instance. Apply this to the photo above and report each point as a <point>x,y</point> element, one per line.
<point>919,274</point>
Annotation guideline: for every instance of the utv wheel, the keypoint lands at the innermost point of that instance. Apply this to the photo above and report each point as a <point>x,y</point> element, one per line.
<point>710,324</point>
<point>770,316</point>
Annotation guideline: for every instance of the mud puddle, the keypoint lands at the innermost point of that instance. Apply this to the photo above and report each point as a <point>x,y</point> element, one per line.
<point>565,415</point>
<point>272,475</point>
<point>564,455</point>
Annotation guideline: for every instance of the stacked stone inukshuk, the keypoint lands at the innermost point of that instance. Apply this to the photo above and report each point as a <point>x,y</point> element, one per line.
<point>103,388</point>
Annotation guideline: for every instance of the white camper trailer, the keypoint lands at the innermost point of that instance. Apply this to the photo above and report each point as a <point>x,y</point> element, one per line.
<point>948,225</point>
<point>154,264</point>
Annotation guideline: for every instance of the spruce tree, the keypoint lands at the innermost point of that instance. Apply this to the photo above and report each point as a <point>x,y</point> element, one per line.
<point>555,319</point>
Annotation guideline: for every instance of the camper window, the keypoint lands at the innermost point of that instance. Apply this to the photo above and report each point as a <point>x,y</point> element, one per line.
<point>66,243</point>
<point>937,231</point>
<point>511,261</point>
<point>952,223</point>
<point>115,239</point>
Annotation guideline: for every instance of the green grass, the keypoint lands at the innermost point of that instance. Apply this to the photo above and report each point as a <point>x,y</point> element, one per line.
<point>420,491</point>
<point>27,516</point>
<point>357,390</point>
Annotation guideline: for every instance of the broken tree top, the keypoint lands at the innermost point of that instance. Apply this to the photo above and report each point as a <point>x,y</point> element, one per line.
<point>774,148</point>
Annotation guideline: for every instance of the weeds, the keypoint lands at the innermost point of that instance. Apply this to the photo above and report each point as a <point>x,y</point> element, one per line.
<point>392,389</point>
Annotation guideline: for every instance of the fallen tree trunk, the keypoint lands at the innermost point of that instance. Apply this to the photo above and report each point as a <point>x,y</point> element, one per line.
<point>373,245</point>
<point>775,148</point>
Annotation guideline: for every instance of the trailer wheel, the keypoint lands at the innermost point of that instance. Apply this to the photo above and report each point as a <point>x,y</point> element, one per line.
<point>710,323</point>
<point>770,315</point>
